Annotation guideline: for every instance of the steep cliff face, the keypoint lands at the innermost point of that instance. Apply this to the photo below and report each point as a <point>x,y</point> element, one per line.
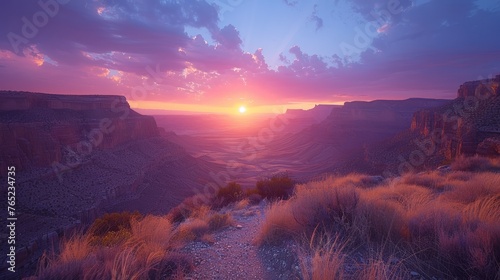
<point>38,129</point>
<point>469,125</point>
<point>480,88</point>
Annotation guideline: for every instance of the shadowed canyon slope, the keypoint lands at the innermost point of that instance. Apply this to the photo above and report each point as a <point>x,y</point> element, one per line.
<point>347,129</point>
<point>79,156</point>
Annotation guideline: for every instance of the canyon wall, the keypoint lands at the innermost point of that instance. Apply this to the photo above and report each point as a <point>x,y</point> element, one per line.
<point>469,125</point>
<point>38,129</point>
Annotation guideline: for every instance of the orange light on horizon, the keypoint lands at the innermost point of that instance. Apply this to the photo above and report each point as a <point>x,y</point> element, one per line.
<point>240,110</point>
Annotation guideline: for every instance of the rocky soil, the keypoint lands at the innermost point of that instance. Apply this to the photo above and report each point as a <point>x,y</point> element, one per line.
<point>233,255</point>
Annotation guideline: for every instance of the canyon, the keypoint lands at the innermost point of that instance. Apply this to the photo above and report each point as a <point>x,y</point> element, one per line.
<point>465,126</point>
<point>77,157</point>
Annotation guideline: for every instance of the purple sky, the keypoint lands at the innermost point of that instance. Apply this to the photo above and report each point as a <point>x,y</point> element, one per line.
<point>216,54</point>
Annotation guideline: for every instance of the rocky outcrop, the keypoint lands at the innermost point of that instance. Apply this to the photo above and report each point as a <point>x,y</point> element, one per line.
<point>318,113</point>
<point>480,88</point>
<point>19,101</point>
<point>467,126</point>
<point>37,130</point>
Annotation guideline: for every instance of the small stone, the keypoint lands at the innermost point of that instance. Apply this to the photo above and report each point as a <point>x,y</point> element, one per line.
<point>239,226</point>
<point>296,267</point>
<point>414,274</point>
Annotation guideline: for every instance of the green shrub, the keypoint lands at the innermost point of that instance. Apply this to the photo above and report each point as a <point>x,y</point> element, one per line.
<point>278,186</point>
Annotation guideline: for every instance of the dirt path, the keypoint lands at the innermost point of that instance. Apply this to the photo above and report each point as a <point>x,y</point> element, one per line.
<point>234,256</point>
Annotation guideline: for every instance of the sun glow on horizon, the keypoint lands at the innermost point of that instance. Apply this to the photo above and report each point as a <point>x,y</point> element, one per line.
<point>242,109</point>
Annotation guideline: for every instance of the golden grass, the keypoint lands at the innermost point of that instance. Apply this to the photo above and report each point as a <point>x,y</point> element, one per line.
<point>279,224</point>
<point>377,268</point>
<point>140,256</point>
<point>449,222</point>
<point>242,204</point>
<point>324,258</point>
<point>200,224</point>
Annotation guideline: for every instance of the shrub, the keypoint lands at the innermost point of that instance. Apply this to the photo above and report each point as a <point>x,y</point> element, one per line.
<point>242,204</point>
<point>111,238</point>
<point>190,205</point>
<point>232,192</point>
<point>476,164</point>
<point>278,186</point>
<point>219,221</point>
<point>190,230</point>
<point>112,222</point>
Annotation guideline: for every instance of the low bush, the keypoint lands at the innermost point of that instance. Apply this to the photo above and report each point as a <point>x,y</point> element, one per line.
<point>219,221</point>
<point>278,186</point>
<point>112,229</point>
<point>113,222</point>
<point>232,192</point>
<point>476,164</point>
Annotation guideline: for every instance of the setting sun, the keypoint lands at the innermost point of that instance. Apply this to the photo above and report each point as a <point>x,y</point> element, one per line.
<point>242,109</point>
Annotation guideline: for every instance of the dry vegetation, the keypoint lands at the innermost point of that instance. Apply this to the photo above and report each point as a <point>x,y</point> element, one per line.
<point>129,246</point>
<point>441,224</point>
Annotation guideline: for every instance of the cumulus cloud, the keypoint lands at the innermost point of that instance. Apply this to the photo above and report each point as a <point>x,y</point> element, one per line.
<point>228,37</point>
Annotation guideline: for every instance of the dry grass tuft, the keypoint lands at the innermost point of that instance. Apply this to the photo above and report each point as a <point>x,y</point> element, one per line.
<point>447,223</point>
<point>280,224</point>
<point>324,259</point>
<point>140,256</point>
<point>219,221</point>
<point>242,204</point>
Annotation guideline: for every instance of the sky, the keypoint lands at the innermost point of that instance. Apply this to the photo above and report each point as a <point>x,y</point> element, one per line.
<point>218,55</point>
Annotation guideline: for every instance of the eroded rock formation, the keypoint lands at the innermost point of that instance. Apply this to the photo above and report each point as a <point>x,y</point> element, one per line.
<point>469,125</point>
<point>37,130</point>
